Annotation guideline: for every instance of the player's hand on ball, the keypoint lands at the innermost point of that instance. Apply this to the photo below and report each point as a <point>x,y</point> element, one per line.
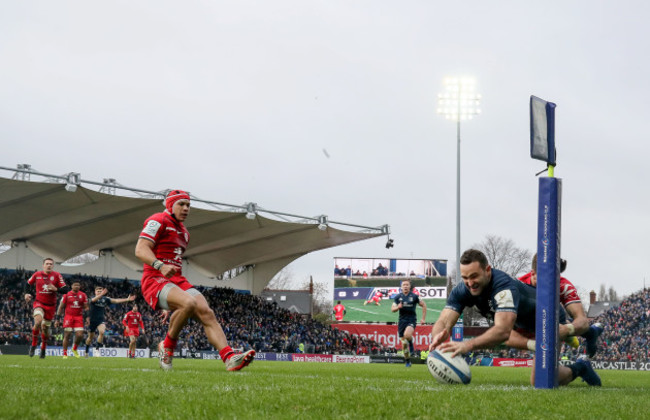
<point>455,347</point>
<point>440,338</point>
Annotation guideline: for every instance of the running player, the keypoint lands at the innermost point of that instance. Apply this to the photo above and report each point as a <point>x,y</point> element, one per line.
<point>75,302</point>
<point>339,311</point>
<point>132,322</point>
<point>98,305</point>
<point>405,303</point>
<point>46,283</point>
<point>160,247</point>
<point>571,301</point>
<point>508,302</point>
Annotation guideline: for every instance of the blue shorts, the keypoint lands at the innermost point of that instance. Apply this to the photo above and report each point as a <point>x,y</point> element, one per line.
<point>94,323</point>
<point>403,323</point>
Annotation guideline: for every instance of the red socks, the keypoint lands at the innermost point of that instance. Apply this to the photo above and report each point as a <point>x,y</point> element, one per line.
<point>226,353</point>
<point>170,343</point>
<point>34,337</point>
<point>43,342</point>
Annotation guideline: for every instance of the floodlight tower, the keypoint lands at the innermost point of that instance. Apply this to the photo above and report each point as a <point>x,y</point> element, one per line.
<point>459,102</point>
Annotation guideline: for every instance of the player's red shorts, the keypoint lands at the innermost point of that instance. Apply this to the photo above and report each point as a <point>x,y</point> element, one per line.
<point>73,322</point>
<point>152,285</point>
<point>135,332</point>
<point>376,299</point>
<point>48,311</point>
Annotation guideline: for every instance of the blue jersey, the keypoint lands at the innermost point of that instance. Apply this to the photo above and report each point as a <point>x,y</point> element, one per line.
<point>409,302</point>
<point>502,294</point>
<point>98,308</point>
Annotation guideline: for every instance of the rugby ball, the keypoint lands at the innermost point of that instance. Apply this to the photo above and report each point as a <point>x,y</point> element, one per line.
<point>447,369</point>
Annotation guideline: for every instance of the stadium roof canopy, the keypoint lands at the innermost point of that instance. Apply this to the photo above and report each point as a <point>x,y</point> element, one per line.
<point>65,216</point>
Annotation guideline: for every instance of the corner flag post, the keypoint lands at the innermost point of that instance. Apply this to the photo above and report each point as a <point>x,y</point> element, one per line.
<point>542,147</point>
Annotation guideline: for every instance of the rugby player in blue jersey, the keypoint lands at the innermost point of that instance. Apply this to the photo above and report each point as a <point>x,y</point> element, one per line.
<point>98,305</point>
<point>509,303</point>
<point>405,303</point>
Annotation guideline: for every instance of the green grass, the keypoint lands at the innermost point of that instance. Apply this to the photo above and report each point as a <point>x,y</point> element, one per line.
<point>356,311</point>
<point>137,389</point>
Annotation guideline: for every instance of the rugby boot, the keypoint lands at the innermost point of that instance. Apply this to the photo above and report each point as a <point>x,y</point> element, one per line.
<point>240,361</point>
<point>165,355</point>
<point>591,338</point>
<point>587,372</point>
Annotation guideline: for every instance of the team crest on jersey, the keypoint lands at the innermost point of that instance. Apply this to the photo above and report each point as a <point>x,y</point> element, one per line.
<point>51,278</point>
<point>504,299</point>
<point>151,228</point>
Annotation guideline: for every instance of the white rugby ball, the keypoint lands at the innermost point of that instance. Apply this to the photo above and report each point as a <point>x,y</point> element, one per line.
<point>447,369</point>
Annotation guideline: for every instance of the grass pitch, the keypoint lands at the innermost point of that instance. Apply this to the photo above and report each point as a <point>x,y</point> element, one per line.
<point>358,312</point>
<point>101,388</point>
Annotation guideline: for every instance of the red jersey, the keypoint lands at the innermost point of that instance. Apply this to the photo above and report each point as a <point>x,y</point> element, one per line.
<point>40,280</point>
<point>170,240</point>
<point>133,320</point>
<point>339,312</point>
<point>75,303</point>
<point>568,292</point>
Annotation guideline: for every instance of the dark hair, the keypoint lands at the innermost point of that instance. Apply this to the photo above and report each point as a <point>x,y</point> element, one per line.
<point>562,264</point>
<point>47,259</point>
<point>474,255</point>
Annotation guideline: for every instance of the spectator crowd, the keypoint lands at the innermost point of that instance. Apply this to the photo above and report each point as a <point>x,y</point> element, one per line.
<point>627,330</point>
<point>248,321</point>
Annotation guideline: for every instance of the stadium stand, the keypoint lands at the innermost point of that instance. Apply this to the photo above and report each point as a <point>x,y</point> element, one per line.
<point>627,330</point>
<point>248,321</point>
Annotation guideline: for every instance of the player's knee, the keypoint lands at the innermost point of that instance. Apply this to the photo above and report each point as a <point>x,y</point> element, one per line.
<point>188,305</point>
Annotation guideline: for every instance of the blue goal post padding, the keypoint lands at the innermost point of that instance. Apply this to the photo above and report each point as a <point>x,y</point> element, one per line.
<point>542,130</point>
<point>548,283</point>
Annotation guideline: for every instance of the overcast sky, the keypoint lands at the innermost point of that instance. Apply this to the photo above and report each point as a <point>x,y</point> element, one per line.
<point>236,101</point>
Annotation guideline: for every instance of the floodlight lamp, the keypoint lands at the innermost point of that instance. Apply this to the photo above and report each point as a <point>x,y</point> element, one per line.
<point>72,181</point>
<point>251,211</point>
<point>322,222</point>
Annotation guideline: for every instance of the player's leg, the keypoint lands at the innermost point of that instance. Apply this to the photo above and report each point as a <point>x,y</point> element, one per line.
<point>205,315</point>
<point>36,330</point>
<point>46,327</point>
<point>408,336</point>
<point>78,338</point>
<point>184,305</point>
<point>101,329</point>
<point>566,374</point>
<point>66,339</point>
<point>91,337</point>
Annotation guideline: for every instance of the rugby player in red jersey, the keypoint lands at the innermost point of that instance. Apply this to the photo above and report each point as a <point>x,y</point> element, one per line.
<point>75,302</point>
<point>376,298</point>
<point>160,247</point>
<point>339,311</point>
<point>573,305</point>
<point>132,322</point>
<point>46,283</point>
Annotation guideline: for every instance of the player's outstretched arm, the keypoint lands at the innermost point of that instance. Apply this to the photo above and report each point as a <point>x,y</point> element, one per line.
<point>442,328</point>
<point>131,298</point>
